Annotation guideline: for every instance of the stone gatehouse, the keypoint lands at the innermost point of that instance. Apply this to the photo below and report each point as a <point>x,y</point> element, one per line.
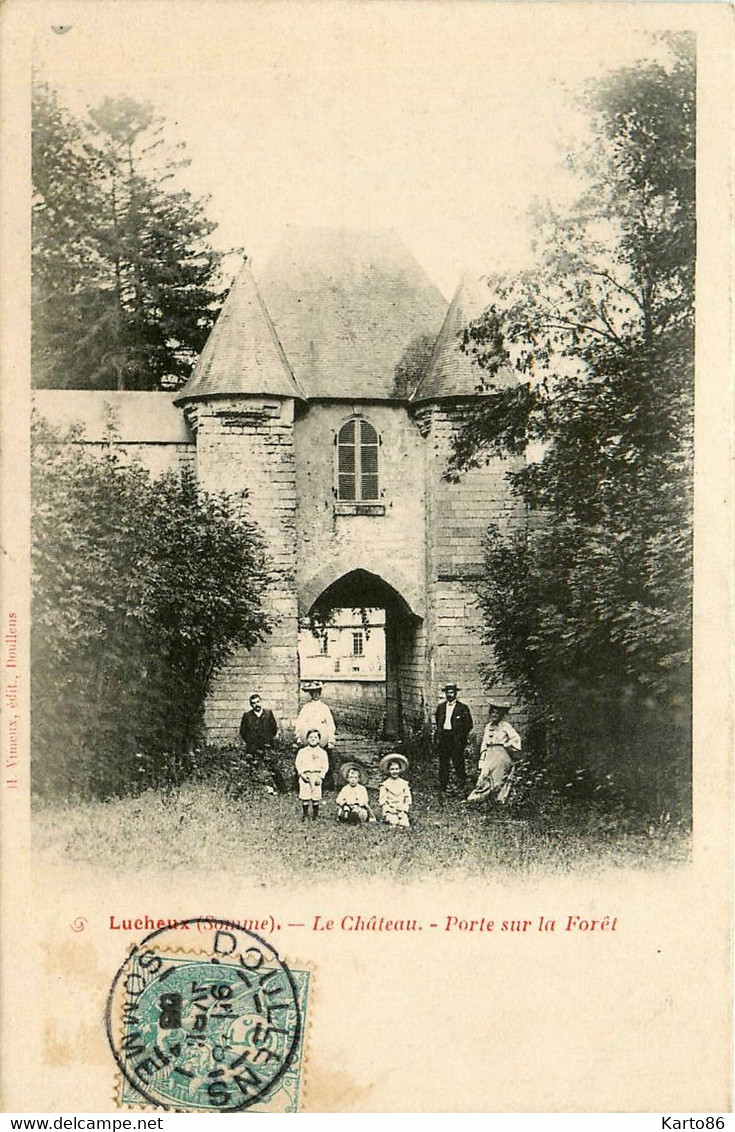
<point>295,403</point>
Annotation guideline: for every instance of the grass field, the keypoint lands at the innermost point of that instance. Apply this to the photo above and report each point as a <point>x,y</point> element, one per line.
<point>197,827</point>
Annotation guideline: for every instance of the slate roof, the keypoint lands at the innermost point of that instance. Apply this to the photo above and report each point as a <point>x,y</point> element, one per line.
<point>346,305</point>
<point>243,353</point>
<point>451,372</point>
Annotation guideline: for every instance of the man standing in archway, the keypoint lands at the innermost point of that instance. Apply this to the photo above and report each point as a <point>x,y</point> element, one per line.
<point>453,726</point>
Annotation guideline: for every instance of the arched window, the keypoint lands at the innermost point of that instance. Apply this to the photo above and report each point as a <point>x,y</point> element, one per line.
<point>357,461</point>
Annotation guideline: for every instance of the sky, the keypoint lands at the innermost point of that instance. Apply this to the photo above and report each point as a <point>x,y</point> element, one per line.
<point>444,121</point>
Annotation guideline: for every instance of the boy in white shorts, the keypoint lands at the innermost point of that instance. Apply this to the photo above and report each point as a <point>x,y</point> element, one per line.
<point>312,764</point>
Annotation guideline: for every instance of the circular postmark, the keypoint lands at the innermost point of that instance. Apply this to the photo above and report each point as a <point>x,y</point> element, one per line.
<point>203,1020</point>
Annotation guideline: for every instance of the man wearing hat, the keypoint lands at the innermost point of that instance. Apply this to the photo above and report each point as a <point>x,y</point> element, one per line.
<point>453,725</point>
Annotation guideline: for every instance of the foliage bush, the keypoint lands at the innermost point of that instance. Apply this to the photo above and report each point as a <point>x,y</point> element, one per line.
<point>240,773</point>
<point>417,745</point>
<point>142,587</point>
<point>589,611</point>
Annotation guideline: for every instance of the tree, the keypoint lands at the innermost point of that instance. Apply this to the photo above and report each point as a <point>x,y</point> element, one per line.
<point>124,276</point>
<point>67,274</point>
<point>142,588</point>
<point>589,612</point>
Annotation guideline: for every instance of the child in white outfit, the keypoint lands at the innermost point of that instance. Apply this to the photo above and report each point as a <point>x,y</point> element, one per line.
<point>312,764</point>
<point>394,798</point>
<point>353,804</point>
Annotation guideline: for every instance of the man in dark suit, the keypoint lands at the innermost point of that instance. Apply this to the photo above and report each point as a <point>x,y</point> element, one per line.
<point>258,729</point>
<point>453,726</point>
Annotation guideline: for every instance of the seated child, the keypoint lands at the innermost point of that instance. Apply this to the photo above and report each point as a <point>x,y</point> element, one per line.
<point>312,764</point>
<point>395,793</point>
<point>353,805</point>
<point>497,763</point>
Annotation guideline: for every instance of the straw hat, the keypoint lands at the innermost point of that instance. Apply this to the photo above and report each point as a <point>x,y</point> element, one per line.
<point>395,758</point>
<point>347,767</point>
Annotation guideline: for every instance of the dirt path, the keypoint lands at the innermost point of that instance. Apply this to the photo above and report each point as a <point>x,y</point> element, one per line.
<point>366,751</point>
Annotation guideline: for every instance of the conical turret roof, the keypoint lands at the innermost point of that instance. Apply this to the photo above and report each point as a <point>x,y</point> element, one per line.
<point>452,372</point>
<point>347,305</point>
<point>243,353</point>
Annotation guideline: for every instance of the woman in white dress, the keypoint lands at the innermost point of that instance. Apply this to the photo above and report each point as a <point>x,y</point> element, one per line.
<point>316,714</point>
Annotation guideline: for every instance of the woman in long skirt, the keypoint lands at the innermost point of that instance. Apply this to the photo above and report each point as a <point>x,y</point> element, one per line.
<point>496,764</point>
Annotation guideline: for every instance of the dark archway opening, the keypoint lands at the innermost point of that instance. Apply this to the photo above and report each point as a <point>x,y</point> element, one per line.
<point>363,602</point>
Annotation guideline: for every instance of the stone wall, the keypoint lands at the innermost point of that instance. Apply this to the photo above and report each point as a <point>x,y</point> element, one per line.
<point>389,544</point>
<point>355,703</point>
<point>409,665</point>
<point>246,447</point>
<point>143,427</point>
<point>457,517</point>
<point>424,539</point>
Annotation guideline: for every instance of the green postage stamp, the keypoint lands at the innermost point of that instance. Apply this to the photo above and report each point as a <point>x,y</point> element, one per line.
<point>215,1028</point>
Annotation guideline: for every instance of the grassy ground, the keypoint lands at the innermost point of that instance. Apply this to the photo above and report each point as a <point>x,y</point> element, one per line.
<point>198,827</point>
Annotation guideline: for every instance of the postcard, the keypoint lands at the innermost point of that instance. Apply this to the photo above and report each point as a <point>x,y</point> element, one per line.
<point>367,559</point>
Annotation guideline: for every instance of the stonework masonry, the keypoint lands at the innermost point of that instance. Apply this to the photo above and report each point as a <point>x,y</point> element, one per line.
<point>423,541</point>
<point>247,448</point>
<point>263,426</point>
<point>389,543</point>
<point>457,517</point>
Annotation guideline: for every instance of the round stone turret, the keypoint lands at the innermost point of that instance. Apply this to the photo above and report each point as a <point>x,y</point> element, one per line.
<point>240,404</point>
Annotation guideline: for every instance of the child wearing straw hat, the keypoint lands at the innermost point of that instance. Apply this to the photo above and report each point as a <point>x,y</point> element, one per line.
<point>353,804</point>
<point>394,798</point>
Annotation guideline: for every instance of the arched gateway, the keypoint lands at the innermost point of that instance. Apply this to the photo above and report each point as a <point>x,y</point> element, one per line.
<point>300,398</point>
<point>316,398</point>
<point>390,666</point>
